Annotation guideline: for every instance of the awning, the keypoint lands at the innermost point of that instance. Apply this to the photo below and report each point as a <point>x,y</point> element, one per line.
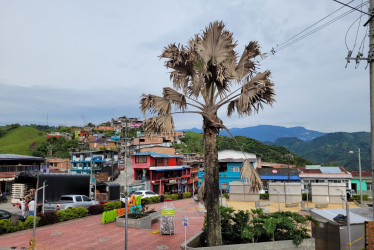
<point>368,181</point>
<point>280,177</point>
<point>168,168</point>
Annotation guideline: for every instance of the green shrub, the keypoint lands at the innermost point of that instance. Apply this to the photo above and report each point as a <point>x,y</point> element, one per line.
<point>29,222</point>
<point>112,205</point>
<point>226,195</point>
<point>72,213</point>
<point>174,196</point>
<point>365,197</point>
<point>6,226</point>
<point>155,199</point>
<point>357,197</point>
<point>244,227</point>
<point>304,196</point>
<point>186,195</point>
<point>264,196</point>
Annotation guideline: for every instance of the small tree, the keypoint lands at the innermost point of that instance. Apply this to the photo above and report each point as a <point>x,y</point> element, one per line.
<point>203,75</point>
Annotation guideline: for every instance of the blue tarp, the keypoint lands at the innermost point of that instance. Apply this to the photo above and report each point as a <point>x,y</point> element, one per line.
<point>280,177</point>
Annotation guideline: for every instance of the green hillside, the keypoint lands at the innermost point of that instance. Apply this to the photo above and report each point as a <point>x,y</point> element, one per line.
<point>332,149</point>
<point>193,143</point>
<point>22,140</point>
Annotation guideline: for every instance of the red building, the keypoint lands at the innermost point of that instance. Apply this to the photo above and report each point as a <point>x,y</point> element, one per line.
<point>166,173</point>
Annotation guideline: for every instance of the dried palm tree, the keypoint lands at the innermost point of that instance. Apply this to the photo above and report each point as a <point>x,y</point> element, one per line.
<point>208,76</point>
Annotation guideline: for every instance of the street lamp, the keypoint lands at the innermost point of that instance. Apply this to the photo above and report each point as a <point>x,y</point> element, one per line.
<point>359,170</point>
<point>348,220</point>
<point>341,197</point>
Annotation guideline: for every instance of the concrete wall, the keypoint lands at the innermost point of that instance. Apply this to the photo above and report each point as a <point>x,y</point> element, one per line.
<point>335,191</point>
<point>328,192</point>
<point>239,191</point>
<point>288,192</point>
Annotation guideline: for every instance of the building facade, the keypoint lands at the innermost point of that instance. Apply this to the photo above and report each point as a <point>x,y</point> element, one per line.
<point>166,173</point>
<point>366,181</point>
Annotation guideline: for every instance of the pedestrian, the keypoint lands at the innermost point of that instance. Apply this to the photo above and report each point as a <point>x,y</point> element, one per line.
<point>31,207</point>
<point>23,207</point>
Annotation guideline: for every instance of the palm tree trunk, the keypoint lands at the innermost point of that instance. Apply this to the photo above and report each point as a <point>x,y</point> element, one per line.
<point>212,205</point>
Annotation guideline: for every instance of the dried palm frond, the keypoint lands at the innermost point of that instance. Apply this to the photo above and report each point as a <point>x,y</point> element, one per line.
<point>155,104</point>
<point>175,98</point>
<point>201,193</point>
<point>250,174</point>
<point>246,65</point>
<point>158,124</point>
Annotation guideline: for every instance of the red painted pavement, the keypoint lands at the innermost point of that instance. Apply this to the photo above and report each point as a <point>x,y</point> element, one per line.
<point>89,233</point>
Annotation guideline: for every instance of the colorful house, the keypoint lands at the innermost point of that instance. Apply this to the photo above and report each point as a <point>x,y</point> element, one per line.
<point>230,164</point>
<point>166,173</point>
<point>366,184</point>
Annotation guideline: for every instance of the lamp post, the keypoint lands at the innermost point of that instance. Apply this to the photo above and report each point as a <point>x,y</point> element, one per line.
<point>341,197</point>
<point>359,170</point>
<point>348,221</point>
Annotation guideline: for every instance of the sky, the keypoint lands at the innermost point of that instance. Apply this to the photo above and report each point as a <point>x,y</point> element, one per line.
<point>66,63</point>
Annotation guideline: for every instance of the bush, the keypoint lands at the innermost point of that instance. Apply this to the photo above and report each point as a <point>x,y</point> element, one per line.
<point>264,196</point>
<point>109,206</point>
<point>304,196</point>
<point>47,218</point>
<point>29,222</point>
<point>244,227</point>
<point>174,197</point>
<point>162,198</point>
<point>96,209</point>
<point>72,213</point>
<point>357,197</point>
<point>186,195</point>
<point>226,195</point>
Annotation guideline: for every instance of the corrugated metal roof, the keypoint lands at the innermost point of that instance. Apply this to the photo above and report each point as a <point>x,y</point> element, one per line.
<point>9,157</point>
<point>154,154</point>
<point>330,170</point>
<point>364,173</point>
<point>330,214</point>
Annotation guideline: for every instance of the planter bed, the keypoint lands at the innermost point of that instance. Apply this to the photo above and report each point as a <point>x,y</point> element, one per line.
<point>143,223</point>
<point>307,244</point>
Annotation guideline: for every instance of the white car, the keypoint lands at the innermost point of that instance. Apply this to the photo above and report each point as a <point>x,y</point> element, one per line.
<point>145,193</point>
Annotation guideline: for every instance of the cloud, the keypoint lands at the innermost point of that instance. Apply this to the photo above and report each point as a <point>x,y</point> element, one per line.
<point>94,59</point>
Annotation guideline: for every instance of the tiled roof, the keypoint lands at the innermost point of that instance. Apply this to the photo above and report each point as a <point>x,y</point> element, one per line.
<point>364,173</point>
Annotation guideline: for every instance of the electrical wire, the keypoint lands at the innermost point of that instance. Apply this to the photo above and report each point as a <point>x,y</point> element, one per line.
<point>358,28</point>
<point>279,48</point>
<point>346,34</point>
<point>363,41</point>
<point>313,25</point>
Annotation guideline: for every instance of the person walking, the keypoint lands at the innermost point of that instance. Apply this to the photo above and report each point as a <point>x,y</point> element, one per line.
<point>31,207</point>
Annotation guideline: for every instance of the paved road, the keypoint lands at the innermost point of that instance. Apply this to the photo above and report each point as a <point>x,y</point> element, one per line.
<point>89,233</point>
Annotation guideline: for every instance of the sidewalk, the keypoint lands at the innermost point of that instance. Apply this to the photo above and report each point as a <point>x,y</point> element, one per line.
<point>89,233</point>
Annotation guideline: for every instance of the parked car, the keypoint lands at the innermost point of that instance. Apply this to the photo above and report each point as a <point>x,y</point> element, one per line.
<point>69,201</point>
<point>145,193</point>
<point>6,215</point>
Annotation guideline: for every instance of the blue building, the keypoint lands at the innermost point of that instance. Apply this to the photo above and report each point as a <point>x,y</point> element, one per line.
<point>95,161</point>
<point>230,164</point>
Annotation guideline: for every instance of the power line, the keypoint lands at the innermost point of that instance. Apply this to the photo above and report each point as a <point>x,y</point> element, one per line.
<point>279,48</point>
<point>313,25</point>
<point>346,34</point>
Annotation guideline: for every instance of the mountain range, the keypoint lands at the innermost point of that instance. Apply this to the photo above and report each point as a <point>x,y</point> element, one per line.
<point>270,133</point>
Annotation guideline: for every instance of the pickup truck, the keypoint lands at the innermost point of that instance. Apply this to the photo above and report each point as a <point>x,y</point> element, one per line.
<point>69,201</point>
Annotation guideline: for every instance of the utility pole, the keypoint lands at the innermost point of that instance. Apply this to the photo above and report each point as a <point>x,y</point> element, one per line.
<point>370,59</point>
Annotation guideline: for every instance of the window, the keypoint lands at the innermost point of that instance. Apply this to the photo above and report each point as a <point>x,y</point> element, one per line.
<point>306,181</point>
<point>368,186</point>
<point>236,169</point>
<point>85,198</point>
<point>78,198</point>
<point>140,159</point>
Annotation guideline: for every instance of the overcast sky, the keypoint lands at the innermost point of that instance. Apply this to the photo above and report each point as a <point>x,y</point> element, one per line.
<point>71,62</point>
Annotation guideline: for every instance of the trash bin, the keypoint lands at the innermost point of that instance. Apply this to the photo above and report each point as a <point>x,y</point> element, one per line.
<point>167,220</point>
